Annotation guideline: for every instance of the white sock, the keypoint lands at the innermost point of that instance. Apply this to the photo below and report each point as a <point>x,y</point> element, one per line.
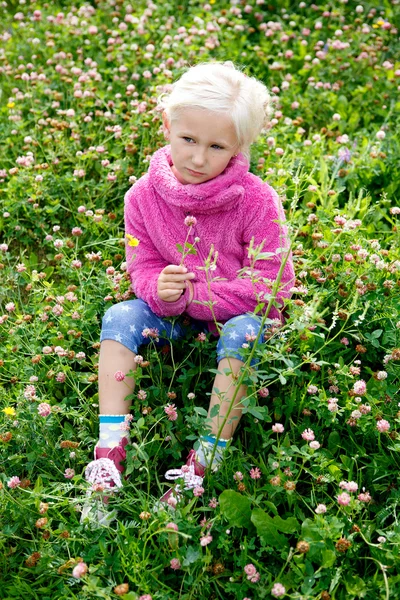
<point>112,430</point>
<point>205,450</point>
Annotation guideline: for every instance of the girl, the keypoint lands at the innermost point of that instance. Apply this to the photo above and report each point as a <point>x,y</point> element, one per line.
<point>199,181</point>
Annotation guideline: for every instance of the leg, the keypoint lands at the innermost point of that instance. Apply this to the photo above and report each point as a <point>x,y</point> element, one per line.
<point>226,386</point>
<point>236,332</point>
<point>121,336</point>
<point>112,393</point>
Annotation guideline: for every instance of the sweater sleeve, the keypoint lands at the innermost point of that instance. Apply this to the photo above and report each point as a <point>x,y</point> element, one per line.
<point>238,296</point>
<point>144,262</point>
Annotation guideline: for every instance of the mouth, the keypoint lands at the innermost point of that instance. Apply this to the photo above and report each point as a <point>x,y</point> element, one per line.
<point>195,173</point>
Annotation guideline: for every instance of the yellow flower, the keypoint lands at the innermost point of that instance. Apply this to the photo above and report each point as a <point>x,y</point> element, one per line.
<point>9,411</point>
<point>11,105</point>
<point>132,241</point>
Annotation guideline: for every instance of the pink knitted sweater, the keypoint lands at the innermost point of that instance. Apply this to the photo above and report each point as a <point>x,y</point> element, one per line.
<point>230,210</point>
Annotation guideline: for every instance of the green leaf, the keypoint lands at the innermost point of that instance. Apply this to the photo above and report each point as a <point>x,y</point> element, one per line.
<point>192,555</point>
<point>289,525</point>
<point>348,463</point>
<point>257,412</point>
<point>354,585</point>
<point>235,508</point>
<point>333,441</point>
<point>267,529</point>
<point>179,247</point>
<point>328,558</point>
<point>201,411</point>
<point>214,411</point>
<point>377,333</point>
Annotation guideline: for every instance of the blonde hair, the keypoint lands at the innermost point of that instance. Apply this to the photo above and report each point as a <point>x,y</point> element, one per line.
<point>222,87</point>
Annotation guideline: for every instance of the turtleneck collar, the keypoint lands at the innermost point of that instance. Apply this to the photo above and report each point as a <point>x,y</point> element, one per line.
<point>216,195</point>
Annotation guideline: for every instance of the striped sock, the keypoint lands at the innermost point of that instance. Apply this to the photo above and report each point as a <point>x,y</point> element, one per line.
<point>205,450</point>
<point>112,430</point>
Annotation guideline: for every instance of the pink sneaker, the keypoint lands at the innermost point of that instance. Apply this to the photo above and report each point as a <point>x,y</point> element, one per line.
<point>104,473</point>
<point>192,474</point>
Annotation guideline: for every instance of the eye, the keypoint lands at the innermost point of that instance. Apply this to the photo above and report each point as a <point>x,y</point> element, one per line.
<point>188,139</point>
<point>215,146</point>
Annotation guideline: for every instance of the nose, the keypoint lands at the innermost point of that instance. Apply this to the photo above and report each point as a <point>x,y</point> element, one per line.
<point>199,157</point>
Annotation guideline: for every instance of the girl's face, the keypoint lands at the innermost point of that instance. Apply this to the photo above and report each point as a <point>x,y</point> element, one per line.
<point>202,144</point>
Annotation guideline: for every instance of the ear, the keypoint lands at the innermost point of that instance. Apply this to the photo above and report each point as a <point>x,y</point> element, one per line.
<point>166,125</point>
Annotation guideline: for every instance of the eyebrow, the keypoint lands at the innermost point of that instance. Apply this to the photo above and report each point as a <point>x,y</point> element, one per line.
<point>186,134</point>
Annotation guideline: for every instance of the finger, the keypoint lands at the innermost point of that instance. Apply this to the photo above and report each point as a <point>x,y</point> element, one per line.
<point>171,295</point>
<point>175,269</point>
<point>169,277</point>
<point>171,285</point>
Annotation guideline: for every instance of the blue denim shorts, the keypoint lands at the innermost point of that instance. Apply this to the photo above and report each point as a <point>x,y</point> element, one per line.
<point>129,323</point>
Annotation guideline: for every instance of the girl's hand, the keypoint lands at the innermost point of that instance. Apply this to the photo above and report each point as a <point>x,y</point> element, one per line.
<point>172,282</point>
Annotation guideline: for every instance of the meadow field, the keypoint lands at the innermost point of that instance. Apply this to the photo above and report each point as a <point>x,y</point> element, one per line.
<point>306,505</point>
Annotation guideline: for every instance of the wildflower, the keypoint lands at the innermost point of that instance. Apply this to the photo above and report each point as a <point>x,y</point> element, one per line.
<point>152,333</point>
<point>381,375</point>
<point>191,396</point>
<point>69,473</point>
<point>10,307</point>
<point>146,597</point>
<point>171,412</point>
<point>238,476</point>
<point>33,559</point>
<point>364,497</point>
<point>201,337</point>
<point>14,482</point>
<point>44,409</point>
<point>42,522</point>
<point>132,241</point>
<point>198,491</point>
<point>308,435</point>
<point>314,445</point>
<point>121,589</point>
<point>342,545</point>
<point>142,395</point>
<point>321,509</point>
<point>213,503</point>
<point>255,473</point>
<point>381,539</point>
<point>250,570</point>
<point>343,499</point>
<point>278,428</point>
<point>275,481</point>
<point>175,564</point>
<point>138,359</point>
<point>302,547</point>
<point>344,341</point>
<point>263,392</point>
<point>360,387</point>
<point>349,486</point>
<point>278,590</point>
<point>119,376</point>
<point>172,526</point>
<point>312,389</point>
<point>290,486</point>
<point>205,540</point>
<point>382,425</point>
<point>145,515</point>
<point>9,411</point>
<point>190,221</point>
<point>79,570</point>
